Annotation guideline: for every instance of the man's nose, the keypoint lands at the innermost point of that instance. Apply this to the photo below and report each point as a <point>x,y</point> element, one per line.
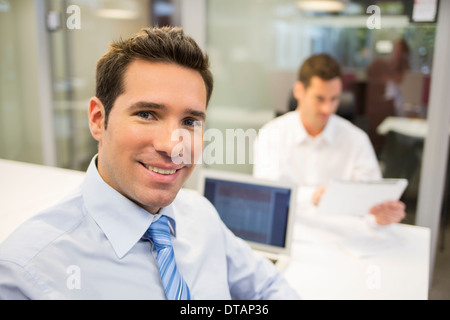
<point>167,141</point>
<point>329,107</point>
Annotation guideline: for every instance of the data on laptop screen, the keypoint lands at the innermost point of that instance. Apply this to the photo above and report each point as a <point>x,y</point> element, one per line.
<point>253,212</point>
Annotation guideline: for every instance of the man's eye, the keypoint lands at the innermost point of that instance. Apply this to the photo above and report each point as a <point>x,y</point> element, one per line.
<point>192,123</point>
<point>145,115</point>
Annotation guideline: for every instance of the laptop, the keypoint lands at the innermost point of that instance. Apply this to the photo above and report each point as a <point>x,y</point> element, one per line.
<point>259,211</point>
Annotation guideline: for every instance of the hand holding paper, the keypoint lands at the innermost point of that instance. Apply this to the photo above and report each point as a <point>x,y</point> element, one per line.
<point>379,198</point>
<point>388,212</point>
<point>318,194</point>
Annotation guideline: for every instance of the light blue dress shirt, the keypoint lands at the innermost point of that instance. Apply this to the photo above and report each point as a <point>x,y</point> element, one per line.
<point>90,246</point>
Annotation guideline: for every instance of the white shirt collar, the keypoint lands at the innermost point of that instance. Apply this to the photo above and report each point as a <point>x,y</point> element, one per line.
<point>326,135</point>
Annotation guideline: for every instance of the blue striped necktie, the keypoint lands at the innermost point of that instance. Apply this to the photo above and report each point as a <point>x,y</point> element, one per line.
<point>174,285</point>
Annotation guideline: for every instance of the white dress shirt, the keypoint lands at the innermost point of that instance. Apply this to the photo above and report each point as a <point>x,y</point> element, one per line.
<point>90,246</point>
<point>285,151</point>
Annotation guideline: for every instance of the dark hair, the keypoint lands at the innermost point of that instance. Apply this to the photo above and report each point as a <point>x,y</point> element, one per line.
<point>166,44</point>
<point>321,65</point>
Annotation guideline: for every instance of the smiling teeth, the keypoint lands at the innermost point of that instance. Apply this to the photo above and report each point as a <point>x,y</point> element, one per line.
<point>160,171</point>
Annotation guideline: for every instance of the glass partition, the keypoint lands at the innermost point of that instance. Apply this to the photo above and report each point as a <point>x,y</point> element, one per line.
<point>79,35</point>
<point>256,48</point>
<point>20,128</point>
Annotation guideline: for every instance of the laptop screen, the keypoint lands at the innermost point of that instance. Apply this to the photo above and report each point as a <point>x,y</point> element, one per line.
<point>253,212</point>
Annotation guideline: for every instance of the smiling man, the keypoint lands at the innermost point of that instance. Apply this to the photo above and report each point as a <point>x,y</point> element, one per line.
<point>130,231</point>
<point>158,99</point>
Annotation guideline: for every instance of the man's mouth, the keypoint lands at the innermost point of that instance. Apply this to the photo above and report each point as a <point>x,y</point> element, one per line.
<point>159,170</point>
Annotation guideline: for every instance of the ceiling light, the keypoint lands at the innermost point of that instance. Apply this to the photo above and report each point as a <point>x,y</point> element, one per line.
<point>114,9</point>
<point>321,5</point>
<point>117,14</point>
<point>384,46</point>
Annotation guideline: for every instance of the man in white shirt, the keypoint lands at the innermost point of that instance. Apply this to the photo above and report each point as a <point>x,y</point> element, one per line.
<point>94,244</point>
<point>311,145</point>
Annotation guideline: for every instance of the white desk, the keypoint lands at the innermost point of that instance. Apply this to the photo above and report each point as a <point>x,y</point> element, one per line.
<point>408,126</point>
<point>321,269</point>
<point>27,188</point>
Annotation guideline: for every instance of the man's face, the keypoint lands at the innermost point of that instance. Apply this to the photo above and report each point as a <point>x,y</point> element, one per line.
<point>318,102</point>
<point>154,133</point>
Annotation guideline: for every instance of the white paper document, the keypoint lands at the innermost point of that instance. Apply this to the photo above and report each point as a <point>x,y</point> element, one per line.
<point>357,197</point>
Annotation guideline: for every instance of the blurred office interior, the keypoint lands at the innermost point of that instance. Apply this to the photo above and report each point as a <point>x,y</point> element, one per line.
<point>49,49</point>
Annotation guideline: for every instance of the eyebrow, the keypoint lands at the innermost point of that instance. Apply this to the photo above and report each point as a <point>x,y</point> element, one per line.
<point>152,105</point>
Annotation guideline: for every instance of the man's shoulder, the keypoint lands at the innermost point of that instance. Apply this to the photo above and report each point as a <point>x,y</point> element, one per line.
<point>282,121</point>
<point>347,128</point>
<point>39,231</point>
<point>193,204</point>
<point>190,198</point>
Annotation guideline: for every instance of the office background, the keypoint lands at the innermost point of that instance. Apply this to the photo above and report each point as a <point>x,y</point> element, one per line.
<point>47,76</point>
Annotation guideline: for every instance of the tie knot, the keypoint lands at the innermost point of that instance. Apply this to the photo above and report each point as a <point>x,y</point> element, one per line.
<point>159,233</point>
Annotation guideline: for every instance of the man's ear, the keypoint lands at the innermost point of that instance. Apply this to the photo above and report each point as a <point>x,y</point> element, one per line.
<point>298,91</point>
<point>96,118</point>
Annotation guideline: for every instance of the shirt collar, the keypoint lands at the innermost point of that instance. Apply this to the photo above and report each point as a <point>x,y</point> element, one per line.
<point>168,212</point>
<point>301,135</point>
<point>122,220</point>
<point>326,135</point>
